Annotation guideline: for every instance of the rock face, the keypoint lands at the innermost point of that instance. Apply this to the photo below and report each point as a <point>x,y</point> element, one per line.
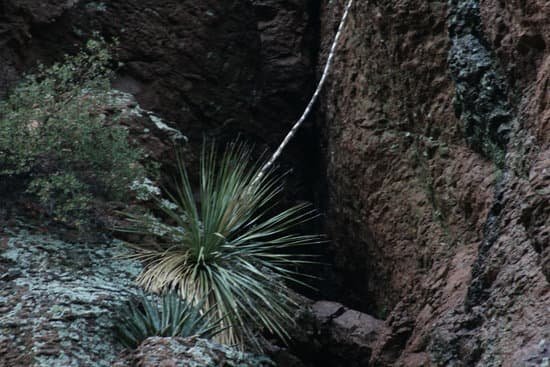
<point>218,69</point>
<point>436,141</point>
<point>196,63</point>
<point>287,51</point>
<point>59,301</point>
<point>214,67</point>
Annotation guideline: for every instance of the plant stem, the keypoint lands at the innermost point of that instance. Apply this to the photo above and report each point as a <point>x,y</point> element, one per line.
<point>313,99</point>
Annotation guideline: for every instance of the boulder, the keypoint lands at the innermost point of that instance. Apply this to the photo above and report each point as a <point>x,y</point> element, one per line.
<point>330,334</point>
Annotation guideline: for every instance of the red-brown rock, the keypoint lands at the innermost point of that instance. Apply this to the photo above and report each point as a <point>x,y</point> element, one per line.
<point>443,233</point>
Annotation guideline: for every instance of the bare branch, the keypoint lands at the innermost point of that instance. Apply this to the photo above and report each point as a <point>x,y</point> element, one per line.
<point>313,99</point>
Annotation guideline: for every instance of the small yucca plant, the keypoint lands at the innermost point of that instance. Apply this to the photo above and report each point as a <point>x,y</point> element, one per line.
<point>171,316</point>
<point>231,251</point>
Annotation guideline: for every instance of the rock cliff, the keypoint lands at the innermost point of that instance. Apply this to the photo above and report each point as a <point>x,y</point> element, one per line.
<point>436,158</point>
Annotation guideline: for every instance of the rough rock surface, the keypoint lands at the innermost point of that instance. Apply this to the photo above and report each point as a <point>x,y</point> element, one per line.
<point>287,52</point>
<point>147,130</point>
<point>58,300</point>
<point>194,62</point>
<point>215,67</point>
<point>436,141</point>
<point>330,334</point>
<point>288,49</point>
<point>189,352</point>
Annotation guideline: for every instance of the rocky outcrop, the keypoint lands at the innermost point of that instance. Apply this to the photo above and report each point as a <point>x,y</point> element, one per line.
<point>218,69</point>
<point>146,129</point>
<point>195,63</point>
<point>59,301</point>
<point>215,67</point>
<point>436,141</point>
<point>330,334</point>
<point>153,135</point>
<point>189,352</point>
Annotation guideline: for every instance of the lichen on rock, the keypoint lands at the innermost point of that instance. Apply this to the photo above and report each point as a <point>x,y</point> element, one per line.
<point>191,352</point>
<point>59,300</point>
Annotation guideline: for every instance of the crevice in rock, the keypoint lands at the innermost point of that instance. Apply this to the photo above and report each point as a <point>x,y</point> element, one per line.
<point>482,277</point>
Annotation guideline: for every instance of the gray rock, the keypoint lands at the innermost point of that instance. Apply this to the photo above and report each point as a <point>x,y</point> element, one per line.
<point>191,352</point>
<point>58,301</point>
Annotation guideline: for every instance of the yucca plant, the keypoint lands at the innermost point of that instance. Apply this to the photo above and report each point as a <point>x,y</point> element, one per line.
<point>170,316</point>
<point>233,249</point>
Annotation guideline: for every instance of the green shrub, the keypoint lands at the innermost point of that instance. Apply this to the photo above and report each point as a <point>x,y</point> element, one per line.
<point>172,316</point>
<point>55,137</point>
<point>229,247</point>
<point>61,194</point>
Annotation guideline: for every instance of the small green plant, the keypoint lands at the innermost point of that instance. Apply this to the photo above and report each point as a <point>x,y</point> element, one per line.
<point>61,194</point>
<point>57,141</point>
<point>229,247</point>
<point>170,316</point>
